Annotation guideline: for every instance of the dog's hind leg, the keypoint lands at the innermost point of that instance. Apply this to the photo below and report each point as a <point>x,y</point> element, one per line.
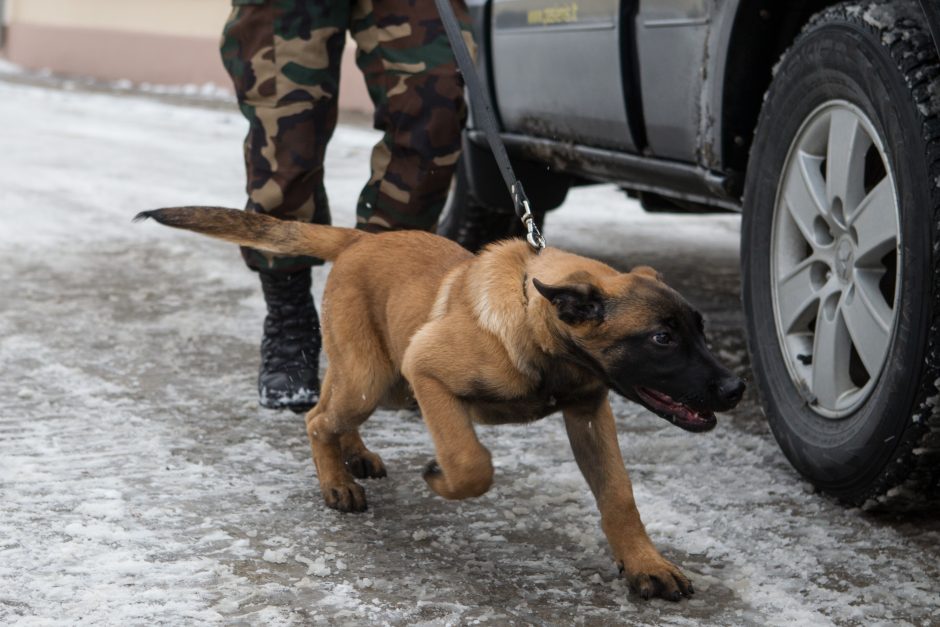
<point>344,405</point>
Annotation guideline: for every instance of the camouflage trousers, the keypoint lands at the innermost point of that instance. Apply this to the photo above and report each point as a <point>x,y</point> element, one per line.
<point>284,59</point>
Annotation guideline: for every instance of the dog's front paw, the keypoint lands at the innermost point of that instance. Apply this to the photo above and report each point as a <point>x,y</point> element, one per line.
<point>345,497</point>
<point>656,576</point>
<point>366,465</point>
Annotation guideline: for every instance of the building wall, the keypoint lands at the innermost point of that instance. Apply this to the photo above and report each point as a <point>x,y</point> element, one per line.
<point>194,18</point>
<point>155,41</point>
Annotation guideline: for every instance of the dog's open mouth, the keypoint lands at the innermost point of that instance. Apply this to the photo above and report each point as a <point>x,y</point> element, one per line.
<point>675,412</point>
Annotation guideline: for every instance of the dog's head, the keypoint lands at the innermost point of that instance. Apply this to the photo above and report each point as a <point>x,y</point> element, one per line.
<point>644,341</point>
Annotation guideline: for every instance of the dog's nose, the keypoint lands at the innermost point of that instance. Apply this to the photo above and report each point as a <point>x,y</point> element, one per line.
<point>730,390</point>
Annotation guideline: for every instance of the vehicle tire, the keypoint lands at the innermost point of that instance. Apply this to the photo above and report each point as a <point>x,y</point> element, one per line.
<point>840,249</point>
<point>473,225</point>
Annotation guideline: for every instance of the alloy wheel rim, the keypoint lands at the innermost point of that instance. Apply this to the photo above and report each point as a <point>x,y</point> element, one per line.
<point>836,259</point>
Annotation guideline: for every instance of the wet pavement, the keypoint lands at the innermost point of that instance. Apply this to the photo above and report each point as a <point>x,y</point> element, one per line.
<point>140,483</point>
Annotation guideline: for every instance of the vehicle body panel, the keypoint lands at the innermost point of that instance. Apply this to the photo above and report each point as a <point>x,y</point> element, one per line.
<point>718,48</point>
<point>671,48</point>
<point>548,57</point>
<point>581,79</point>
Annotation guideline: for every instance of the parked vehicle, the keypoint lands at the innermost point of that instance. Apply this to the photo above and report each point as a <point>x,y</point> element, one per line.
<point>820,122</point>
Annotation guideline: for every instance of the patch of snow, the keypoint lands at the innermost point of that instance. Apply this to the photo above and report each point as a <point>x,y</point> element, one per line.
<point>7,67</point>
<point>316,566</point>
<point>881,16</point>
<point>275,556</point>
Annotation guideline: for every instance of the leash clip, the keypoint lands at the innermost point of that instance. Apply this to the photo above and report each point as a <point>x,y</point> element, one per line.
<point>533,236</point>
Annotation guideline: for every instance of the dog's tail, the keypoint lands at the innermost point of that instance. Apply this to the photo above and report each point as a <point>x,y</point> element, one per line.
<point>255,230</point>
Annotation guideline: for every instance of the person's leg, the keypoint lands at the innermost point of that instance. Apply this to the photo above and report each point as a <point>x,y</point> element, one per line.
<point>413,80</point>
<point>283,57</point>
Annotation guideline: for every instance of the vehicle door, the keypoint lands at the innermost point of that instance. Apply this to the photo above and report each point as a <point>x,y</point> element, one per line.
<point>558,71</point>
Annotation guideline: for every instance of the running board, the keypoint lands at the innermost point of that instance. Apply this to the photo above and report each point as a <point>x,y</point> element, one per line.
<point>667,178</point>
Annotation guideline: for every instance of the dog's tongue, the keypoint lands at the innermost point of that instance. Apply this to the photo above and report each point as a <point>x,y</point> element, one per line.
<point>677,413</point>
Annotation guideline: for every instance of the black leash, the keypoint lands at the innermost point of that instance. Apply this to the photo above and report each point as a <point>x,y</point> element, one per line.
<point>487,121</point>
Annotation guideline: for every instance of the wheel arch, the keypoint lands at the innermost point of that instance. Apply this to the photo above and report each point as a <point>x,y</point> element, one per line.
<point>754,36</point>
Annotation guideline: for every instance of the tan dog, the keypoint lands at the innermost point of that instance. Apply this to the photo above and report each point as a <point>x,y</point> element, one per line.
<point>506,336</point>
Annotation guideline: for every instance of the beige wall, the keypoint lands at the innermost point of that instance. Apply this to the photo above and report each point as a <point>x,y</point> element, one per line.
<point>187,18</point>
<point>154,41</point>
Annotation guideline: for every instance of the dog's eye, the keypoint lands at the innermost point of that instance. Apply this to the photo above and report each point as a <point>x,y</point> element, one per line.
<point>662,338</point>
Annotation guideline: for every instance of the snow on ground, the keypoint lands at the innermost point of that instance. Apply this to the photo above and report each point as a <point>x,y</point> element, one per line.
<point>141,484</point>
<point>206,94</point>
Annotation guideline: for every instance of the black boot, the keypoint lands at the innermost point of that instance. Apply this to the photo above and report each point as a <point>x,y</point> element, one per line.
<point>290,348</point>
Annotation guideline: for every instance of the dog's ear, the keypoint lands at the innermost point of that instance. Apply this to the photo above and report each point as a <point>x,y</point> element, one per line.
<point>575,303</point>
<point>647,272</point>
